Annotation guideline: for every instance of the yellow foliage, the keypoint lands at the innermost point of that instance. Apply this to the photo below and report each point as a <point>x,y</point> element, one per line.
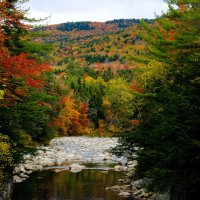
<point>101,125</point>
<point>89,79</point>
<point>112,128</point>
<point>5,151</point>
<point>71,118</point>
<point>68,115</point>
<point>152,70</point>
<point>106,103</point>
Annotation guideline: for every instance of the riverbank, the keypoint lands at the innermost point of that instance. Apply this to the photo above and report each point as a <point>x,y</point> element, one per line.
<point>73,154</point>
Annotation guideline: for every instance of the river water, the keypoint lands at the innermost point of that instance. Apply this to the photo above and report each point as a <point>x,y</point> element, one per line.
<point>88,184</point>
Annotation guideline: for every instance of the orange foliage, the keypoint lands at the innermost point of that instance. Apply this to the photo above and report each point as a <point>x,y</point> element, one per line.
<point>16,67</point>
<point>136,88</point>
<point>73,121</point>
<point>101,126</point>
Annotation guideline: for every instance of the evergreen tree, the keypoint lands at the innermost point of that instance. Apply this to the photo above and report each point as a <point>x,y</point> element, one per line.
<point>167,133</point>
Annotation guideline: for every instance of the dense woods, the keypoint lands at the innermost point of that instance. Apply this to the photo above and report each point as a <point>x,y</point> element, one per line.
<point>136,79</point>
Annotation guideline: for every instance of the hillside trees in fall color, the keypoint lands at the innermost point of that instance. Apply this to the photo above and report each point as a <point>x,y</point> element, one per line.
<point>26,110</point>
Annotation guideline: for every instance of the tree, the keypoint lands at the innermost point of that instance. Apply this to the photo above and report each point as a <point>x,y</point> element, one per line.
<point>167,136</point>
<point>26,110</point>
<point>17,33</point>
<point>73,121</point>
<point>122,102</point>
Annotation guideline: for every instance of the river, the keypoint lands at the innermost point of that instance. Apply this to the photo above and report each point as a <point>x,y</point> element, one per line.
<point>87,184</point>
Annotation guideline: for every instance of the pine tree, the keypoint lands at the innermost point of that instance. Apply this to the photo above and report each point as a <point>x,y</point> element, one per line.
<point>167,136</point>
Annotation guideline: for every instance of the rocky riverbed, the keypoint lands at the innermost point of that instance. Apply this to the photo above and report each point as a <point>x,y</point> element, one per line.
<point>67,149</point>
<point>75,151</point>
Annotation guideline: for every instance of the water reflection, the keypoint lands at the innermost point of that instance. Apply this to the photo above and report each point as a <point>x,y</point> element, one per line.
<point>89,184</point>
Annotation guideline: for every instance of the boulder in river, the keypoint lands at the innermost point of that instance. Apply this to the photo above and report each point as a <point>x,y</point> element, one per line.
<point>124,194</point>
<point>76,167</point>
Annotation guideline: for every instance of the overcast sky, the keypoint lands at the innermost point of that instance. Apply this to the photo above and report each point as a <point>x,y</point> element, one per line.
<point>94,10</point>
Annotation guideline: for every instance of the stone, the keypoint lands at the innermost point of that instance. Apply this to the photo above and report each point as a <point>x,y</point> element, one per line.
<point>124,194</point>
<point>29,172</point>
<point>118,168</point>
<point>127,187</point>
<point>127,181</point>
<point>163,197</point>
<point>76,167</point>
<point>78,157</point>
<point>24,176</point>
<point>57,170</point>
<point>75,171</point>
<point>138,192</point>
<point>89,159</point>
<point>98,158</point>
<point>40,152</point>
<point>38,167</point>
<point>136,184</point>
<point>145,181</point>
<point>130,163</point>
<point>59,148</point>
<point>62,154</point>
<point>16,179</point>
<point>108,158</point>
<point>146,195</point>
<point>21,169</point>
<point>116,187</point>
<point>50,154</point>
<point>58,161</point>
<point>132,166</point>
<point>153,197</point>
<point>28,167</point>
<point>101,155</point>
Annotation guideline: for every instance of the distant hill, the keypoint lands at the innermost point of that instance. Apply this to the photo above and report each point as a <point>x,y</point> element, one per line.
<point>94,42</point>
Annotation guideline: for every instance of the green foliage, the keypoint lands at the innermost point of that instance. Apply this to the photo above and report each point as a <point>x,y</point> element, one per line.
<point>18,37</point>
<point>167,136</point>
<point>29,121</point>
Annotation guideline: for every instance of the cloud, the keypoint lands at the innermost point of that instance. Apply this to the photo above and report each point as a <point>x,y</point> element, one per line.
<point>93,10</point>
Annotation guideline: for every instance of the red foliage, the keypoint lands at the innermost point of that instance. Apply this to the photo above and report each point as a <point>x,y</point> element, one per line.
<point>126,67</point>
<point>15,69</point>
<point>83,117</point>
<point>85,75</point>
<point>136,88</point>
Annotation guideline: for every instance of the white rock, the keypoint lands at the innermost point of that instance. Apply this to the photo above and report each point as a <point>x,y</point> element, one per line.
<point>16,179</point>
<point>98,158</point>
<point>58,161</point>
<point>76,167</point>
<point>62,154</point>
<point>24,176</point>
<point>108,158</point>
<point>59,148</point>
<point>57,170</point>
<point>40,152</point>
<point>21,169</point>
<point>78,157</point>
<point>28,167</point>
<point>38,167</point>
<point>118,168</point>
<point>130,163</point>
<point>125,194</point>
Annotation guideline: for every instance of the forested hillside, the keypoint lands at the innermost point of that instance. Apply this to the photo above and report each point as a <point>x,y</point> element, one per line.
<point>93,42</point>
<point>92,64</point>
